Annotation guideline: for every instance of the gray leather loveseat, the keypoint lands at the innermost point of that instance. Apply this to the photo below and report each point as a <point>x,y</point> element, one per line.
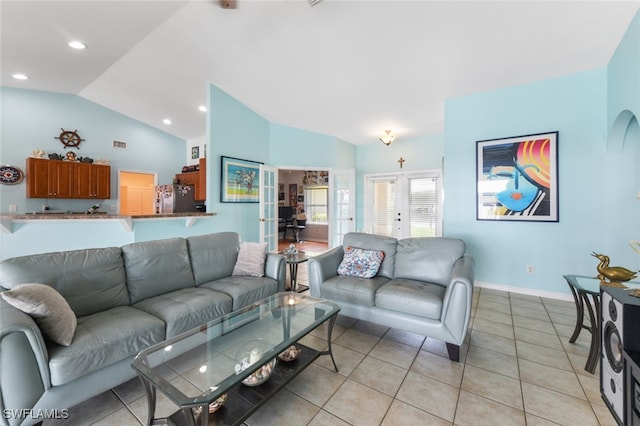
<point>423,285</point>
<point>125,299</point>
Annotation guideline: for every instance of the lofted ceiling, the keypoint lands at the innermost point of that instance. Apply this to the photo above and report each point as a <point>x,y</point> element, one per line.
<point>345,68</point>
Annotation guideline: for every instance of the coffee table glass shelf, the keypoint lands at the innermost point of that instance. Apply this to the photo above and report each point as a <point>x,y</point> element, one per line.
<point>210,359</point>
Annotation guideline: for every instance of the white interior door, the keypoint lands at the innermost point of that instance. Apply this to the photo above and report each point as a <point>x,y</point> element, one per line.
<point>342,204</point>
<point>268,203</point>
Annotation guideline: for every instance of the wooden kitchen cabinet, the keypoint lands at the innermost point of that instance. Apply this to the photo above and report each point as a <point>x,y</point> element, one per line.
<point>66,179</point>
<point>197,179</point>
<point>201,189</point>
<point>92,181</point>
<point>49,178</point>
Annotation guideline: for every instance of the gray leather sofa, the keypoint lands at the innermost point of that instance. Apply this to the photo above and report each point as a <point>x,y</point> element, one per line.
<point>125,299</point>
<point>424,285</point>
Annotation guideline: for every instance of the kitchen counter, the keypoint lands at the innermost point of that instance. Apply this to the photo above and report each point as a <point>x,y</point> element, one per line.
<point>7,219</point>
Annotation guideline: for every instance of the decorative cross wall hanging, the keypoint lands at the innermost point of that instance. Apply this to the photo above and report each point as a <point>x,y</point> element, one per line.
<point>401,161</point>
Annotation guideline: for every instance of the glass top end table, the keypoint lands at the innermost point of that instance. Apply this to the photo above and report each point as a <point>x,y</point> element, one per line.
<point>199,366</point>
<point>293,260</point>
<point>583,288</point>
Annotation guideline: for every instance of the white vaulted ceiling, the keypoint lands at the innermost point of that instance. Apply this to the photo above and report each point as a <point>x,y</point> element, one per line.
<point>348,69</point>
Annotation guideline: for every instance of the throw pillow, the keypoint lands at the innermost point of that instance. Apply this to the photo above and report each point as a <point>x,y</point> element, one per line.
<point>47,307</point>
<point>361,263</point>
<point>251,260</point>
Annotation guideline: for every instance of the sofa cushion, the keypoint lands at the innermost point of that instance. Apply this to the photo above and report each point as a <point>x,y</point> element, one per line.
<point>375,242</point>
<point>91,280</point>
<point>47,307</point>
<point>354,290</point>
<point>251,258</point>
<point>244,290</point>
<point>413,297</point>
<point>103,339</point>
<point>213,256</point>
<point>157,267</point>
<point>188,308</point>
<point>428,259</point>
<point>361,263</point>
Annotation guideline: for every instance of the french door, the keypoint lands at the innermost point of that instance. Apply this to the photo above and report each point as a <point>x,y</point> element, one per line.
<point>403,205</point>
<point>267,206</point>
<point>341,205</point>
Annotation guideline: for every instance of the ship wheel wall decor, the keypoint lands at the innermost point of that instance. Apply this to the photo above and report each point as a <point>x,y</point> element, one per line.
<point>70,139</point>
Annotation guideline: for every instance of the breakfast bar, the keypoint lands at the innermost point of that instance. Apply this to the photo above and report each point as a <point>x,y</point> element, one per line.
<point>127,221</point>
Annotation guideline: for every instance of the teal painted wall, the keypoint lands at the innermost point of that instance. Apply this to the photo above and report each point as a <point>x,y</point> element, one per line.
<point>234,131</point>
<point>598,209</point>
<point>623,106</point>
<point>420,153</point>
<point>301,148</point>
<point>623,75</point>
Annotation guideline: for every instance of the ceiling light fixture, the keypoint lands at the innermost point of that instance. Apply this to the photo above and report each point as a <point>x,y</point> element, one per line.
<point>166,121</point>
<point>387,138</point>
<point>75,44</point>
<point>202,108</point>
<point>20,76</point>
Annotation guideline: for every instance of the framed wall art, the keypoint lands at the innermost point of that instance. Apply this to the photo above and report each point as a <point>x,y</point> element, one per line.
<point>240,182</point>
<point>517,178</point>
<point>293,195</point>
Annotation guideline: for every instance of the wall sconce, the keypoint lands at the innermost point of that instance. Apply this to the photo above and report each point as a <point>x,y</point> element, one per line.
<point>387,138</point>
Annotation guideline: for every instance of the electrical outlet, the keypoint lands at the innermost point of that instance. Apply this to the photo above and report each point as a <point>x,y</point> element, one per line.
<point>530,269</point>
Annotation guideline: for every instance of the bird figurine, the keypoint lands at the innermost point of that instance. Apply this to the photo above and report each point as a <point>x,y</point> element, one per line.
<point>613,273</point>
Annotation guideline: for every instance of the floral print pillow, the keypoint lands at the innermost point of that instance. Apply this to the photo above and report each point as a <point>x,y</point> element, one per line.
<point>361,263</point>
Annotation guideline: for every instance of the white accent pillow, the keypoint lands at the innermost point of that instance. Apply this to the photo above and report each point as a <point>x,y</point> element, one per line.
<point>251,259</point>
<point>47,307</point>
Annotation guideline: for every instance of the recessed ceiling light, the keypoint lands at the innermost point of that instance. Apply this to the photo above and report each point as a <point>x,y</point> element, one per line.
<point>75,44</point>
<point>20,76</point>
<point>166,121</point>
<point>202,108</point>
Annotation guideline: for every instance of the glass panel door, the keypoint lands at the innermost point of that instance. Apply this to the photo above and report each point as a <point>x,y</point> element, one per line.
<point>384,217</point>
<point>267,206</point>
<point>404,205</point>
<point>423,207</point>
<point>342,205</point>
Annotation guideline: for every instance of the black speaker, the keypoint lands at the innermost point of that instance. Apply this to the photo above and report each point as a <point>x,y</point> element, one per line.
<point>620,314</point>
<point>632,388</point>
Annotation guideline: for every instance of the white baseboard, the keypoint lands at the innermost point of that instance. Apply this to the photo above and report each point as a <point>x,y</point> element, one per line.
<point>526,291</point>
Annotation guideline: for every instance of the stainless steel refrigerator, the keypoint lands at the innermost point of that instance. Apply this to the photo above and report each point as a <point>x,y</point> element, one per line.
<point>175,199</point>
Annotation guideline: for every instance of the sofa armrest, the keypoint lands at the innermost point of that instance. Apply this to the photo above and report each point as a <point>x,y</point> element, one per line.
<point>456,305</point>
<point>323,267</point>
<point>275,268</point>
<point>24,369</point>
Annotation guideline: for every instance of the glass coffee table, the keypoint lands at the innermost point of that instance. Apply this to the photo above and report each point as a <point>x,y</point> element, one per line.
<point>231,356</point>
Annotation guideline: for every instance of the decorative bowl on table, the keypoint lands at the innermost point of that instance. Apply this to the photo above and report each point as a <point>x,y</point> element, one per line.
<point>215,405</point>
<point>249,353</point>
<point>289,354</point>
<point>291,251</point>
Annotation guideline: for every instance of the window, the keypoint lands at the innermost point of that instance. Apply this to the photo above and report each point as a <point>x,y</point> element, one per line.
<point>316,204</point>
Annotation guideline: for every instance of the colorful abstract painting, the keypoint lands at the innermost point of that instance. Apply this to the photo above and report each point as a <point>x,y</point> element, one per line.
<point>517,178</point>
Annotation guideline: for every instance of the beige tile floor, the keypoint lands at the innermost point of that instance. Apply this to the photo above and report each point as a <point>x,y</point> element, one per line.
<point>517,368</point>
